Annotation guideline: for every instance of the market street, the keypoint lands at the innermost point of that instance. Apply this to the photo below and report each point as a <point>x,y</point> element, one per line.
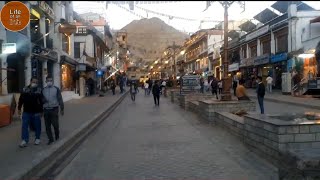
<point>140,141</point>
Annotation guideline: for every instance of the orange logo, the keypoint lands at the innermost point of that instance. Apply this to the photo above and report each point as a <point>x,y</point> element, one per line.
<point>15,16</point>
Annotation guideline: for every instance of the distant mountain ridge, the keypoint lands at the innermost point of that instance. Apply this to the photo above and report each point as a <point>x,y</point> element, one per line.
<point>148,38</point>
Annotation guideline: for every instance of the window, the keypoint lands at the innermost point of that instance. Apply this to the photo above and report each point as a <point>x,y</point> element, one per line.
<point>65,43</point>
<point>266,47</point>
<point>82,30</point>
<point>282,43</point>
<point>77,50</point>
<point>253,51</point>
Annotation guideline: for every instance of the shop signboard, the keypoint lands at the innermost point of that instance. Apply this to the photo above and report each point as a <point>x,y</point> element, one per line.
<point>250,62</point>
<point>190,83</point>
<point>9,48</point>
<point>279,57</point>
<point>257,33</point>
<point>233,67</point>
<point>264,59</point>
<point>312,84</point>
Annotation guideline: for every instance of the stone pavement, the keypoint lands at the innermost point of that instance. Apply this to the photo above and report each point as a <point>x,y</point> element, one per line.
<point>14,159</point>
<point>166,142</point>
<point>277,96</point>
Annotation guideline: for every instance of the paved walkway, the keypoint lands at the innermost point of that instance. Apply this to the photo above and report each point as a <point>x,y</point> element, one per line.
<point>14,159</point>
<point>166,142</point>
<point>277,96</point>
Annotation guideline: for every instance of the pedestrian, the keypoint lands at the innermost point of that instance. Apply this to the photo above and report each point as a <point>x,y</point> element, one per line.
<point>146,88</point>
<point>214,87</point>
<point>261,90</point>
<point>241,91</point>
<point>201,85</point>
<point>133,90</point>
<point>52,103</point>
<point>234,86</point>
<point>121,84</point>
<point>150,86</point>
<point>156,93</point>
<point>32,101</point>
<point>269,83</point>
<point>113,87</point>
<point>206,85</point>
<point>220,86</point>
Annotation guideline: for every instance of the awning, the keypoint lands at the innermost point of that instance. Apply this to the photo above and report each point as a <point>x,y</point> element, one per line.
<point>68,60</point>
<point>315,20</point>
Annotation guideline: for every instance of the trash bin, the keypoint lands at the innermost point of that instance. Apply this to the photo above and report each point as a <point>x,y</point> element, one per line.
<point>5,118</point>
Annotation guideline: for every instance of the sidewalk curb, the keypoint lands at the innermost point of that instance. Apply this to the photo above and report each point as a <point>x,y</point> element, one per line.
<point>63,147</point>
<point>289,103</point>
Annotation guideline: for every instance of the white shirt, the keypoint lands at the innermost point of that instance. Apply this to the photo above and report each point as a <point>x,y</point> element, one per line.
<point>164,83</point>
<point>146,85</point>
<point>269,80</point>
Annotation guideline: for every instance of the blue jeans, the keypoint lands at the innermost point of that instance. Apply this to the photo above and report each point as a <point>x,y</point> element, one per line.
<point>30,118</point>
<point>260,101</point>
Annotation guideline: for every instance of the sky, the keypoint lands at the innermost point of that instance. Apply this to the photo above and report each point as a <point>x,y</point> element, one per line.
<point>118,17</point>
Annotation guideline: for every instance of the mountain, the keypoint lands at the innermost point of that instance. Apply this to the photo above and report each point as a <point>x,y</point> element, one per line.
<point>148,38</point>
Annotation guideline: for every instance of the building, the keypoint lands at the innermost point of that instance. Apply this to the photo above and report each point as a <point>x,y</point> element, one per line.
<point>90,50</point>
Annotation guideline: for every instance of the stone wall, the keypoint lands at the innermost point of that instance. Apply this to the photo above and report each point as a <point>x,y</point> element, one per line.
<point>193,106</point>
<point>185,98</point>
<point>174,95</point>
<point>207,108</point>
<point>232,123</point>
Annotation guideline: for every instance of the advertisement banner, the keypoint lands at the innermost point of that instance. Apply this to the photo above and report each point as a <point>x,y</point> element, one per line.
<point>233,67</point>
<point>279,57</point>
<point>264,59</point>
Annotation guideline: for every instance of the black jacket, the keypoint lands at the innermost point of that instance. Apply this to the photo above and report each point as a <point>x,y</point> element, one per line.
<point>31,100</point>
<point>156,89</point>
<point>261,90</point>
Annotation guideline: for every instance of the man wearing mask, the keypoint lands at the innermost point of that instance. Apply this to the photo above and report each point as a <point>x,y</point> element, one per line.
<point>52,101</point>
<point>32,102</point>
<point>261,90</point>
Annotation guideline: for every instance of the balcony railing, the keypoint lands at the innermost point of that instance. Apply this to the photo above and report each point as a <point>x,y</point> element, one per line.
<point>37,38</point>
<point>49,42</point>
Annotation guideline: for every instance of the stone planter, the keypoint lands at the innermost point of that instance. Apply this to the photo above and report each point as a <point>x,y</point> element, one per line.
<point>185,98</point>
<point>207,108</point>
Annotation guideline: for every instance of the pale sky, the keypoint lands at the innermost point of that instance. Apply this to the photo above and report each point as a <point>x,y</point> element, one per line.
<point>118,17</point>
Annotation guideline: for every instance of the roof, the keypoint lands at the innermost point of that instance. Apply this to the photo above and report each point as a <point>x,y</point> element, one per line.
<point>315,20</point>
<point>282,6</point>
<point>247,26</point>
<point>265,16</point>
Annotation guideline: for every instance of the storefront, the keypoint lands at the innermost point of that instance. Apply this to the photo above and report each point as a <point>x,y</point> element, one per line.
<point>263,68</point>
<point>234,72</point>
<point>68,72</point>
<point>279,66</point>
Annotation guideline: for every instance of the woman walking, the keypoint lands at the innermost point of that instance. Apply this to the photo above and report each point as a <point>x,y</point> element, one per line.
<point>133,90</point>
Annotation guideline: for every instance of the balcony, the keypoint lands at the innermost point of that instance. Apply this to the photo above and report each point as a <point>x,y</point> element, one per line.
<point>37,38</point>
<point>49,42</point>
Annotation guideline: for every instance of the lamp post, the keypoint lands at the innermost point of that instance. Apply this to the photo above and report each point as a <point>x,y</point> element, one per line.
<point>173,48</point>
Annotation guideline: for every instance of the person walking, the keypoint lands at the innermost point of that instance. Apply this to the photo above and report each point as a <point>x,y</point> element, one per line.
<point>220,86</point>
<point>133,90</point>
<point>269,83</point>
<point>214,87</point>
<point>201,85</point>
<point>234,86</point>
<point>52,101</point>
<point>156,93</point>
<point>261,90</point>
<point>206,85</point>
<point>113,87</point>
<point>150,86</point>
<point>32,102</point>
<point>146,88</point>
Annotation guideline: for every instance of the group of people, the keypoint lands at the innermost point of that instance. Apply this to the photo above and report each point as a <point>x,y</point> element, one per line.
<point>37,103</point>
<point>215,85</point>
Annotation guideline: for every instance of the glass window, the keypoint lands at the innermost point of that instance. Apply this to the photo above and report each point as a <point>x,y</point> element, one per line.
<point>253,51</point>
<point>266,47</point>
<point>77,50</point>
<point>282,43</point>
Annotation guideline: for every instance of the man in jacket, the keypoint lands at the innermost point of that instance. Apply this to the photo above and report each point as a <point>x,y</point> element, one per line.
<point>156,93</point>
<point>214,87</point>
<point>261,90</point>
<point>32,102</point>
<point>52,101</point>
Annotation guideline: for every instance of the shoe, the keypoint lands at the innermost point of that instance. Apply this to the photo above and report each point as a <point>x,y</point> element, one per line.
<point>50,142</point>
<point>23,144</point>
<point>37,142</point>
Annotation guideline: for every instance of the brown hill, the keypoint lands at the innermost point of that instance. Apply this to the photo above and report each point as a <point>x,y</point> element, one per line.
<point>148,38</point>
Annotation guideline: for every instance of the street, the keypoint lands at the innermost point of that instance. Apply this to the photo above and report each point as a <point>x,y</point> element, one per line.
<point>140,141</point>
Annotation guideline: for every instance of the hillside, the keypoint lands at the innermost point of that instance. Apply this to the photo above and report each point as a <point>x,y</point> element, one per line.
<point>147,38</point>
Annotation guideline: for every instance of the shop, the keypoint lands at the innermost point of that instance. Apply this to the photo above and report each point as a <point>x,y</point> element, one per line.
<point>263,68</point>
<point>234,72</point>
<point>68,72</point>
<point>279,66</point>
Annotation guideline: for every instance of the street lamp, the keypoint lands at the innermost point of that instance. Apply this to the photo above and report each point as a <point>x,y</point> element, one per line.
<point>173,48</point>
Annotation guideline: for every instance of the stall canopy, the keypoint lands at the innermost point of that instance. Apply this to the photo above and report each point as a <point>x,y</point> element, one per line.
<point>315,20</point>
<point>247,26</point>
<point>282,6</point>
<point>265,16</point>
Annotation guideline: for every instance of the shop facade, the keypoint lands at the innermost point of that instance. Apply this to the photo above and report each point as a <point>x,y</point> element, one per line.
<point>68,73</point>
<point>279,66</point>
<point>262,65</point>
<point>233,70</point>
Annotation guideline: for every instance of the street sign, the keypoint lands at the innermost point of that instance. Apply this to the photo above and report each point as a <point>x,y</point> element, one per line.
<point>189,84</point>
<point>9,48</point>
